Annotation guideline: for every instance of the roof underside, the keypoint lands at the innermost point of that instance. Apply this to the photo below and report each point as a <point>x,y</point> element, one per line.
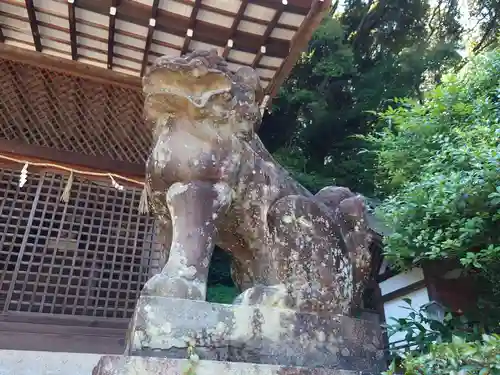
<point>126,35</point>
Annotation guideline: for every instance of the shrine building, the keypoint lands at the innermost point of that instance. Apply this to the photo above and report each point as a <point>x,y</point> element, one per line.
<point>74,250</point>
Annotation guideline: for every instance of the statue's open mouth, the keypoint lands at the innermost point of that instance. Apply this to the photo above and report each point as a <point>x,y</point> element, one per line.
<point>199,101</point>
<point>200,86</point>
<point>175,85</point>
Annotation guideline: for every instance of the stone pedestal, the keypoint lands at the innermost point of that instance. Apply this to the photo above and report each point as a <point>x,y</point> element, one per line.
<point>121,365</point>
<point>234,339</point>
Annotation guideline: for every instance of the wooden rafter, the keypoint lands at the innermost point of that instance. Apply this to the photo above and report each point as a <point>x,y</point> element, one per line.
<point>246,17</point>
<point>258,56</point>
<point>190,30</point>
<point>234,27</point>
<point>176,24</point>
<point>67,66</point>
<point>149,38</point>
<point>72,29</point>
<point>294,6</point>
<point>30,8</point>
<point>269,29</point>
<point>111,32</point>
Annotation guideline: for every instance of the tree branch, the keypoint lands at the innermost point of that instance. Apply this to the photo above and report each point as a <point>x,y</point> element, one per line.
<point>333,8</point>
<point>372,16</point>
<point>479,46</point>
<point>431,21</point>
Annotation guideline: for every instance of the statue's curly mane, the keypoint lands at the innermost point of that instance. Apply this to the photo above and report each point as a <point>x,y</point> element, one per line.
<point>208,59</point>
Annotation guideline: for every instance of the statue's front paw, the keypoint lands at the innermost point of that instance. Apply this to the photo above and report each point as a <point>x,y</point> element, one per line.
<point>163,285</point>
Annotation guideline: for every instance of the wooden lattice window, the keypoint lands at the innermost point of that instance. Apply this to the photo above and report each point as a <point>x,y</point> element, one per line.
<point>46,108</point>
<point>88,257</point>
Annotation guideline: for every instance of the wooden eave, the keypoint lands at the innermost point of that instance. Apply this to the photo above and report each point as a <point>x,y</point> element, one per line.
<point>124,36</point>
<point>106,45</point>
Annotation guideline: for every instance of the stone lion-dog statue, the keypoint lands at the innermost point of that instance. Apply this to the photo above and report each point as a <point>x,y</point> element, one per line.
<point>210,180</point>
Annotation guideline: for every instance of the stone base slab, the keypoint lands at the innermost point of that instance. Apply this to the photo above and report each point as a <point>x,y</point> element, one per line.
<point>166,327</point>
<point>25,362</point>
<point>123,365</point>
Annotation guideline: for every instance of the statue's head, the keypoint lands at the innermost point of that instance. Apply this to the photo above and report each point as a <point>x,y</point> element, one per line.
<point>199,87</point>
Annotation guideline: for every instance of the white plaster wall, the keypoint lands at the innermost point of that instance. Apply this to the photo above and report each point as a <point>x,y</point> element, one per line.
<point>396,309</point>
<point>19,362</point>
<point>401,280</point>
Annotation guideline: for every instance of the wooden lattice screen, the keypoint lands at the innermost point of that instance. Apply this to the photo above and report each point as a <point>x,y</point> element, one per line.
<point>51,109</point>
<point>88,257</point>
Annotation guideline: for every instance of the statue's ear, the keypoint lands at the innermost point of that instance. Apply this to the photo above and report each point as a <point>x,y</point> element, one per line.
<point>249,76</point>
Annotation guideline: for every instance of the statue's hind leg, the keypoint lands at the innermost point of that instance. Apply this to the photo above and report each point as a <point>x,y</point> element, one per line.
<point>194,208</point>
<point>300,239</point>
<point>349,214</point>
<point>317,253</point>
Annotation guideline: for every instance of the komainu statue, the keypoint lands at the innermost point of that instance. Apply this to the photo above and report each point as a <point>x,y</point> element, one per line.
<point>211,181</point>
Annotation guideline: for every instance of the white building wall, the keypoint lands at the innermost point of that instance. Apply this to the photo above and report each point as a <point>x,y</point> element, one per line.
<point>395,307</point>
<point>401,281</point>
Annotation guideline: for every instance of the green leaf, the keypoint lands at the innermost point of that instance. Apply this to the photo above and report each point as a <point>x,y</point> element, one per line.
<point>407,301</point>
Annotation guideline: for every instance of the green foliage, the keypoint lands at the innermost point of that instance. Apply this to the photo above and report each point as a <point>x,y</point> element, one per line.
<point>297,166</point>
<point>486,34</point>
<point>221,288</point>
<point>458,357</point>
<point>221,294</point>
<point>439,161</point>
<point>357,62</point>
<point>454,345</point>
<point>421,332</point>
<point>219,272</point>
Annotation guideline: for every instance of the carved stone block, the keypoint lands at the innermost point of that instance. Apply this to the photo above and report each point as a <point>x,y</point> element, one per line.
<point>122,365</point>
<point>166,327</point>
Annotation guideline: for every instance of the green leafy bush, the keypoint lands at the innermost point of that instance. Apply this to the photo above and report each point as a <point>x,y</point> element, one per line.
<point>449,345</point>
<point>422,331</point>
<point>458,357</point>
<point>439,163</point>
